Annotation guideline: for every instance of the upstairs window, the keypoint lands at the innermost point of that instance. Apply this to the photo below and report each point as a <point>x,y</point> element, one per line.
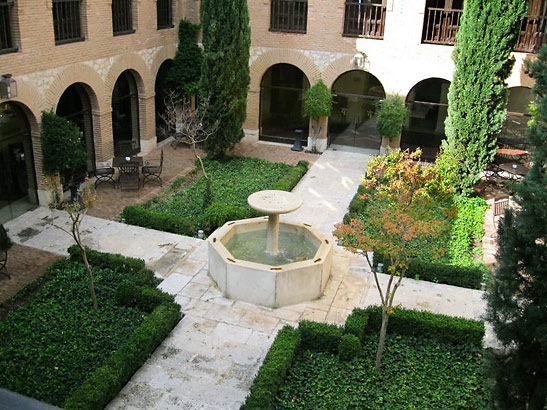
<point>289,16</point>
<point>6,34</point>
<point>67,21</point>
<point>122,17</point>
<point>164,11</point>
<point>532,30</point>
<point>442,21</point>
<point>365,18</point>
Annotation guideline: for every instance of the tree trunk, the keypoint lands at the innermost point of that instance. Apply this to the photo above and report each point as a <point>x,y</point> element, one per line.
<point>381,341</point>
<point>90,274</point>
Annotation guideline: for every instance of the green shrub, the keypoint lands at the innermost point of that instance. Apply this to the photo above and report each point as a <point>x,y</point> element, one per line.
<point>467,228</point>
<point>356,323</point>
<point>141,297</point>
<point>273,370</point>
<point>447,329</point>
<point>349,347</point>
<point>391,116</point>
<point>108,260</point>
<point>289,181</point>
<point>320,336</point>
<point>149,218</point>
<point>218,213</point>
<point>105,382</point>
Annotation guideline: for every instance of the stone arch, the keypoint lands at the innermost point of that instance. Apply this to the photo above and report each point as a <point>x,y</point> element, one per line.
<point>282,56</point>
<point>32,104</point>
<point>138,67</point>
<point>337,68</point>
<point>83,74</point>
<point>413,82</point>
<point>166,53</point>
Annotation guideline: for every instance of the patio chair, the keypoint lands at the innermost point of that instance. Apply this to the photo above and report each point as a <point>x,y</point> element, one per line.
<point>129,176</point>
<point>152,172</point>
<point>104,173</point>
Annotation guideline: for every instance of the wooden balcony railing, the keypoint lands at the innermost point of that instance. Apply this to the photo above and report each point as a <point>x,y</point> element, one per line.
<point>289,16</point>
<point>532,34</point>
<point>6,40</point>
<point>441,25</point>
<point>364,20</point>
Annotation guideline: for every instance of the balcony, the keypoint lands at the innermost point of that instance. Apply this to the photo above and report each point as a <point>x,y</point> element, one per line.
<point>441,25</point>
<point>532,34</point>
<point>364,19</point>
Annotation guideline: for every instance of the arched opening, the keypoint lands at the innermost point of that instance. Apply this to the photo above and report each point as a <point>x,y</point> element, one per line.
<point>17,177</point>
<point>161,87</point>
<point>427,105</point>
<point>281,103</point>
<point>125,115</point>
<point>518,115</point>
<point>75,106</point>
<point>353,119</point>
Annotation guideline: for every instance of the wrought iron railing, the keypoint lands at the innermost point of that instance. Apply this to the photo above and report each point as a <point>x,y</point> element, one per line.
<point>532,34</point>
<point>289,15</point>
<point>364,19</point>
<point>122,17</point>
<point>67,21</point>
<point>441,25</point>
<point>6,39</point>
<point>164,13</point>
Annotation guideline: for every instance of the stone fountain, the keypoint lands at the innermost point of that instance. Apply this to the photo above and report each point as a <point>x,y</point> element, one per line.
<point>268,262</point>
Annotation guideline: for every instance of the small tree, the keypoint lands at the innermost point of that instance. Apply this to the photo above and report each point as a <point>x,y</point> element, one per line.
<point>317,104</point>
<point>186,70</point>
<point>477,96</point>
<point>225,71</point>
<point>517,300</point>
<point>404,203</point>
<point>391,116</point>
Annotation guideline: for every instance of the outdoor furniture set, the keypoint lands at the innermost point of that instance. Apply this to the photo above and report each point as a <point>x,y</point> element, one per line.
<point>509,163</point>
<point>130,171</point>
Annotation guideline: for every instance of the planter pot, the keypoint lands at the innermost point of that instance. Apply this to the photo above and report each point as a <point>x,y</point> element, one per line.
<point>318,127</point>
<point>389,144</point>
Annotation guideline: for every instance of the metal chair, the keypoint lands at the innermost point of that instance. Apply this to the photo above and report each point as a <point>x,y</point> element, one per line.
<point>129,176</point>
<point>4,254</point>
<point>153,172</point>
<point>104,173</point>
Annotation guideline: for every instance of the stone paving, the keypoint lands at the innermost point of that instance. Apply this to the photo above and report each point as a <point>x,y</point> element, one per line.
<point>210,358</point>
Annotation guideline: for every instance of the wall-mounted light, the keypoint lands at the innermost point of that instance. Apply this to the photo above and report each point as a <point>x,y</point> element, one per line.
<point>8,87</point>
<point>358,60</point>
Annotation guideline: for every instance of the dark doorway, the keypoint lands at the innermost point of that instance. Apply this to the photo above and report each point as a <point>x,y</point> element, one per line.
<point>17,178</point>
<point>281,103</point>
<point>353,119</point>
<point>125,116</point>
<point>518,115</point>
<point>161,87</point>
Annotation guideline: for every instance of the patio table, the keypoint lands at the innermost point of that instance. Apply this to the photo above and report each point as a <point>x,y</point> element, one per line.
<point>117,161</point>
<point>514,169</point>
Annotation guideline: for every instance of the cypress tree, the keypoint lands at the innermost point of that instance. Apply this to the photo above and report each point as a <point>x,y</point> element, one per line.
<point>225,71</point>
<point>477,97</point>
<point>517,302</point>
<point>186,69</point>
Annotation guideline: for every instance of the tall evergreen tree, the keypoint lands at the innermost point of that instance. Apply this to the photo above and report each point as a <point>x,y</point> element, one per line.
<point>477,97</point>
<point>186,69</point>
<point>225,71</point>
<point>517,302</point>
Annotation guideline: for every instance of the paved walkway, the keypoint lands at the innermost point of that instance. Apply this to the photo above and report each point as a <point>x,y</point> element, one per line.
<point>209,360</point>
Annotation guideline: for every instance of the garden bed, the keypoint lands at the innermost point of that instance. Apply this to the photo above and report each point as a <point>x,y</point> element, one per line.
<point>201,207</point>
<point>429,361</point>
<point>57,349</point>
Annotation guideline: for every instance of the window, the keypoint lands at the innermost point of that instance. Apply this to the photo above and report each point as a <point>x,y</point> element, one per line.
<point>442,21</point>
<point>6,35</point>
<point>289,15</point>
<point>122,17</point>
<point>365,18</point>
<point>67,21</point>
<point>164,9</point>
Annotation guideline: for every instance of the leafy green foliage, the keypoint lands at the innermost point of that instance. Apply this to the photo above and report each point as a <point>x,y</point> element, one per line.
<point>477,97</point>
<point>517,301</point>
<point>5,241</point>
<point>51,345</point>
<point>225,72</point>
<point>318,101</point>
<point>391,116</point>
<point>186,70</point>
<point>320,336</point>
<point>62,148</point>
<point>232,181</point>
<point>418,373</point>
<point>356,323</point>
<point>273,370</point>
<point>349,347</point>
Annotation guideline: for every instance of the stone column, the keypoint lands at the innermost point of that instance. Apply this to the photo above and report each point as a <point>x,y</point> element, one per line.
<point>147,120</point>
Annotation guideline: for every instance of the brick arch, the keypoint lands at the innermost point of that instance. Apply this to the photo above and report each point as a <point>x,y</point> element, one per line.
<point>31,102</point>
<point>265,61</point>
<point>137,65</point>
<point>422,80</point>
<point>337,68</point>
<point>79,73</point>
<point>166,53</point>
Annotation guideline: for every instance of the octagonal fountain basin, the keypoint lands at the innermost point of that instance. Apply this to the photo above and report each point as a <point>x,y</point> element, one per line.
<point>244,270</point>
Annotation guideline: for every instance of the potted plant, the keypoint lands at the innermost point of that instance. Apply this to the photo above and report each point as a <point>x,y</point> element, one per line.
<point>318,106</point>
<point>390,120</point>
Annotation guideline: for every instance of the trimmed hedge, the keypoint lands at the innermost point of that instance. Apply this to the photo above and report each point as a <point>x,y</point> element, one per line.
<point>320,336</point>
<point>349,347</point>
<point>149,218</point>
<point>291,179</point>
<point>356,323</point>
<point>447,329</point>
<point>273,370</point>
